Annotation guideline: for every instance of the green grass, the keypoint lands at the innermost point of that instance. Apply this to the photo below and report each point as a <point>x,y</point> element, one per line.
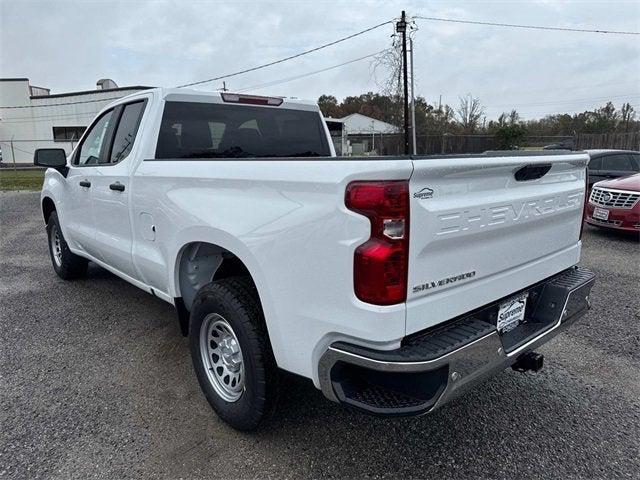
<point>21,179</point>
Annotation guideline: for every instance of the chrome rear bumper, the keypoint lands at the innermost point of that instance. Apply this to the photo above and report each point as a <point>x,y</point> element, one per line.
<point>433,367</point>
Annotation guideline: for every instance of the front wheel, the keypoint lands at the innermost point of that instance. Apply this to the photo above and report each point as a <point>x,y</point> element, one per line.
<point>232,354</point>
<point>66,264</point>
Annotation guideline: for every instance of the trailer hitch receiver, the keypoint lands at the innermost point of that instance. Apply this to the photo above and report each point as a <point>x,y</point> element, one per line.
<point>529,362</point>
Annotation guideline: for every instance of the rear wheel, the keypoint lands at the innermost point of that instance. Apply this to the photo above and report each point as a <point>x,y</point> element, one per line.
<point>232,354</point>
<point>66,264</point>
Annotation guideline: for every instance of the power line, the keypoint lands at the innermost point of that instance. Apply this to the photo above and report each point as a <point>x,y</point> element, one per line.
<point>308,74</point>
<point>538,115</point>
<point>532,27</point>
<point>555,89</point>
<point>291,57</point>
<point>565,102</point>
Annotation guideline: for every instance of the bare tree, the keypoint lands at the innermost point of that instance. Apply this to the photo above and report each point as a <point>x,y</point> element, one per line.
<point>628,114</point>
<point>469,112</point>
<point>514,117</point>
<point>386,69</point>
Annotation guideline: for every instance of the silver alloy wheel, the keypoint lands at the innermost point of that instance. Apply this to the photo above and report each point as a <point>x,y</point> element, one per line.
<point>56,246</point>
<point>222,357</point>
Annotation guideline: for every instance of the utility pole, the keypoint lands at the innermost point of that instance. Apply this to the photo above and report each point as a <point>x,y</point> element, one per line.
<point>413,102</point>
<point>401,27</point>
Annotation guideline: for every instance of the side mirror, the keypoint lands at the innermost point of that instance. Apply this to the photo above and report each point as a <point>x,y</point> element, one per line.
<point>55,158</point>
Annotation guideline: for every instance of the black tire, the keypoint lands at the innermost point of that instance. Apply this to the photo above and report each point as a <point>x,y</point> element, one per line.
<point>69,265</point>
<point>236,301</point>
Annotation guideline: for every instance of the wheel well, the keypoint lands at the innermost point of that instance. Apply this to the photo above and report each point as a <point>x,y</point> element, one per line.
<point>48,207</point>
<point>201,263</point>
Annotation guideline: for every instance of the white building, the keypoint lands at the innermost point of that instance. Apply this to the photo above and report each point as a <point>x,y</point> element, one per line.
<point>358,124</point>
<point>31,117</point>
<point>358,134</point>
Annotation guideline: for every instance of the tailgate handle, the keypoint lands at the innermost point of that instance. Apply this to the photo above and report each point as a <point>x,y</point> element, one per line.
<point>532,172</point>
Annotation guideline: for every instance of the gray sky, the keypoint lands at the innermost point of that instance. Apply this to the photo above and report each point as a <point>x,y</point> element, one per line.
<point>68,45</point>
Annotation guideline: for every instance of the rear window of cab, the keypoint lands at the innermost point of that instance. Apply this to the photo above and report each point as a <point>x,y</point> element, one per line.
<point>212,130</point>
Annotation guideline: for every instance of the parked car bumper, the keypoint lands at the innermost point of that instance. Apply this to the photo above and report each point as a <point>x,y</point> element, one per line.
<point>627,219</point>
<point>432,367</point>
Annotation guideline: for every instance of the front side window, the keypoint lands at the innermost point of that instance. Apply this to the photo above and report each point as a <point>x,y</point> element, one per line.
<point>210,130</point>
<point>126,131</point>
<point>92,144</point>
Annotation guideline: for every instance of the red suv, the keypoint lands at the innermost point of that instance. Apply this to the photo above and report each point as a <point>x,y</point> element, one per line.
<point>614,204</point>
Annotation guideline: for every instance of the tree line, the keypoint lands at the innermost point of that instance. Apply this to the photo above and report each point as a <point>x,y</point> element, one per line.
<point>468,117</point>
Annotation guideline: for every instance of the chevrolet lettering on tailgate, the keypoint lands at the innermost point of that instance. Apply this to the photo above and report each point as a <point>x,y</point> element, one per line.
<point>461,221</point>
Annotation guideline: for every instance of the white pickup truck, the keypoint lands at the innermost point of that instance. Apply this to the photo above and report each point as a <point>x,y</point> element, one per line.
<point>391,282</point>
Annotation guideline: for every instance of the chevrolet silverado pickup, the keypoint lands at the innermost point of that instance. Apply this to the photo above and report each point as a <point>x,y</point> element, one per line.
<point>392,283</point>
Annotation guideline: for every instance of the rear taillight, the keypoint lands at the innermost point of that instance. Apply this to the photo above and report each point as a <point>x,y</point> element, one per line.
<point>380,264</point>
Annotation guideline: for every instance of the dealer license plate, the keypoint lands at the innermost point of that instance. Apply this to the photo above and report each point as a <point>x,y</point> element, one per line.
<point>601,213</point>
<point>511,313</point>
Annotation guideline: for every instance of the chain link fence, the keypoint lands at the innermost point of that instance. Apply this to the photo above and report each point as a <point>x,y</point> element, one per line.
<point>19,153</point>
<point>447,144</point>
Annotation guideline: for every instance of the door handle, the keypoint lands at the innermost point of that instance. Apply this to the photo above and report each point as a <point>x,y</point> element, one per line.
<point>117,187</point>
<point>85,183</point>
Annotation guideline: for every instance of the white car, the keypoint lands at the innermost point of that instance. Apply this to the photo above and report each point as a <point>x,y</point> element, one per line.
<point>391,282</point>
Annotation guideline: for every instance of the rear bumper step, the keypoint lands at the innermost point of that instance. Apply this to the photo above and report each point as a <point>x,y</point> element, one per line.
<point>434,366</point>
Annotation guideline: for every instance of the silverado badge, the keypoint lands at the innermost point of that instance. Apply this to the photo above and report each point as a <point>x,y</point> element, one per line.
<point>444,281</point>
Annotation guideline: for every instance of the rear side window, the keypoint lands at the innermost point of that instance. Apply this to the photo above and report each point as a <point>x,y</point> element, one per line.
<point>617,163</point>
<point>209,130</point>
<point>126,132</point>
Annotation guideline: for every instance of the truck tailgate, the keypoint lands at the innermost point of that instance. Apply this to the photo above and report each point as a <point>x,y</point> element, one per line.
<point>478,234</point>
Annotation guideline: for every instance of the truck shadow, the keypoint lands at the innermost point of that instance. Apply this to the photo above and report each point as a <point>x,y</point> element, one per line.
<point>512,420</point>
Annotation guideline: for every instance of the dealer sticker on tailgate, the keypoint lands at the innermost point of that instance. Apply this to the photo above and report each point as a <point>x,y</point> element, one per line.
<point>511,313</point>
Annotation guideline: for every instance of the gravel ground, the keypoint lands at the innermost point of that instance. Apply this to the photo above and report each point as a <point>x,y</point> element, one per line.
<point>96,381</point>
